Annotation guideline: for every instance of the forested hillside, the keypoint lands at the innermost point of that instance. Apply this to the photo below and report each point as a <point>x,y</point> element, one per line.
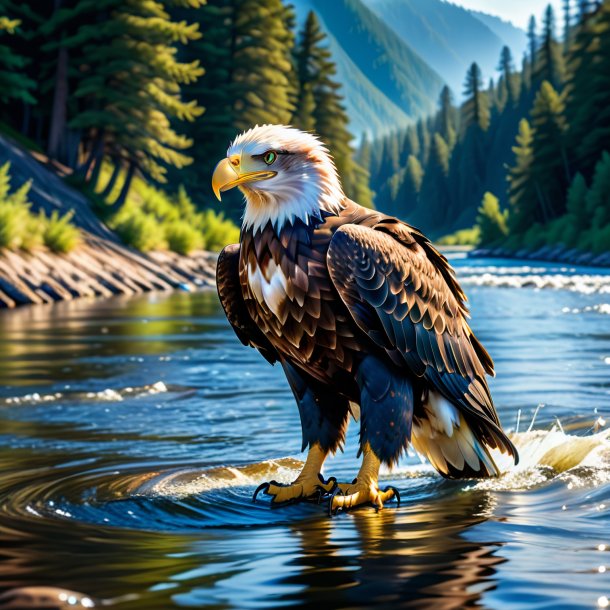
<point>536,142</point>
<point>449,37</point>
<point>113,90</point>
<point>386,83</point>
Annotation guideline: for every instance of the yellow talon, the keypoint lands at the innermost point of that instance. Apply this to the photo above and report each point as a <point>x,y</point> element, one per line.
<point>309,484</point>
<point>364,489</point>
<point>357,494</point>
<point>303,489</point>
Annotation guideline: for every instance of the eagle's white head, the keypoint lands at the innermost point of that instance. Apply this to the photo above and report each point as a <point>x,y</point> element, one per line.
<point>285,175</point>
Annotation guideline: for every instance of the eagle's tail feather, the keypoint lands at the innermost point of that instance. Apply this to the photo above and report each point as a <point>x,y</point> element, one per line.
<point>443,435</point>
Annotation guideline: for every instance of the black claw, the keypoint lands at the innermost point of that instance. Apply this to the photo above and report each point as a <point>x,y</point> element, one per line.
<point>334,493</point>
<point>262,487</point>
<point>396,493</point>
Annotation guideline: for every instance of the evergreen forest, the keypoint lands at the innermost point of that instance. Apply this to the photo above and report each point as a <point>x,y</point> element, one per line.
<point>524,161</point>
<point>136,101</point>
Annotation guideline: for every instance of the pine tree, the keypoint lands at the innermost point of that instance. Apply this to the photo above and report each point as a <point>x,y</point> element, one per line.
<point>571,227</point>
<point>549,169</point>
<point>567,23</point>
<point>326,114</point>
<point>475,110</point>
<point>246,49</point>
<point>425,140</point>
<point>532,36</point>
<point>115,84</point>
<point>14,82</point>
<point>598,197</point>
<point>446,124</point>
<point>436,215</point>
<point>597,239</point>
<point>523,198</point>
<point>363,157</point>
<point>407,197</point>
<point>588,91</point>
<point>410,145</point>
<point>549,64</point>
<point>507,68</point>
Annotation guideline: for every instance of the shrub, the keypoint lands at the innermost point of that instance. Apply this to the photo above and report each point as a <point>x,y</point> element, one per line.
<point>59,234</point>
<point>464,237</point>
<point>33,231</point>
<point>140,230</point>
<point>491,221</point>
<point>217,231</point>
<point>151,219</point>
<point>182,237</point>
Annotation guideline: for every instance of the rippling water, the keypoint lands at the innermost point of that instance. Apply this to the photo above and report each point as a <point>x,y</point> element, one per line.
<point>134,431</point>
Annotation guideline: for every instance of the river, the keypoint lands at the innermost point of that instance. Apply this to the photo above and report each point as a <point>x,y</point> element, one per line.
<point>134,431</point>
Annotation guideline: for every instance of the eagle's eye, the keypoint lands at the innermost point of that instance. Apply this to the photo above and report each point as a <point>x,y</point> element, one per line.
<point>269,157</point>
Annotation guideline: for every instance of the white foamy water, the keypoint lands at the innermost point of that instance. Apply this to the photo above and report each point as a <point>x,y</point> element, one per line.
<point>105,395</point>
<point>603,308</point>
<point>586,284</point>
<point>544,456</point>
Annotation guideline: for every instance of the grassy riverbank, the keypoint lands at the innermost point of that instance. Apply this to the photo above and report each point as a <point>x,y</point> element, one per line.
<point>58,242</point>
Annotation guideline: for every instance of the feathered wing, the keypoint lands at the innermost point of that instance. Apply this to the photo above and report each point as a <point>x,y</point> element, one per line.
<point>232,301</point>
<point>402,293</point>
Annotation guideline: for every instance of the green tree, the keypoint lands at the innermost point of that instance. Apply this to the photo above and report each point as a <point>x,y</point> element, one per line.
<point>507,68</point>
<point>522,194</point>
<point>410,145</point>
<point>447,117</point>
<point>532,36</point>
<point>567,22</point>
<point>246,48</point>
<point>407,197</point>
<point>491,221</point>
<point>598,197</point>
<point>15,84</point>
<point>475,110</point>
<point>435,214</point>
<point>571,227</point>
<point>320,107</point>
<point>549,63</point>
<point>549,169</point>
<point>588,91</point>
<point>115,83</point>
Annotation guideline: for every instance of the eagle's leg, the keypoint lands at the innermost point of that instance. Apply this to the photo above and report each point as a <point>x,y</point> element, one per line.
<point>386,406</point>
<point>309,484</point>
<point>324,421</point>
<point>365,487</point>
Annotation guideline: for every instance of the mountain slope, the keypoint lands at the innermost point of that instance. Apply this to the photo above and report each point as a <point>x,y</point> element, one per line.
<point>448,37</point>
<point>370,111</point>
<point>510,34</point>
<point>385,83</point>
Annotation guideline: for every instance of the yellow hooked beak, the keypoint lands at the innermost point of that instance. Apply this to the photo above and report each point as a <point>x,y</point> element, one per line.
<point>228,174</point>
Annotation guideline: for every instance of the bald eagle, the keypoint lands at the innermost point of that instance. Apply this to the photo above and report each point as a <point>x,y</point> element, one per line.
<point>362,313</point>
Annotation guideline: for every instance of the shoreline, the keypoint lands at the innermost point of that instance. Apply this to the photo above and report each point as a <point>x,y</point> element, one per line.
<point>101,266</point>
<point>98,268</point>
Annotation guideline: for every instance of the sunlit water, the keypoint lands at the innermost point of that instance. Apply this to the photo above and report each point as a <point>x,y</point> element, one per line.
<point>133,433</point>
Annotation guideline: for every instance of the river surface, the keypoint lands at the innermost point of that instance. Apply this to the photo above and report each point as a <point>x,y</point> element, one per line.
<point>134,431</point>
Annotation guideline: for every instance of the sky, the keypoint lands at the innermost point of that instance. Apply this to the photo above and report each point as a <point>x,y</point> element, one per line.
<point>517,11</point>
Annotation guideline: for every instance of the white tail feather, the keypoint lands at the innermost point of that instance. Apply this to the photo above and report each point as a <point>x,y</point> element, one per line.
<point>443,436</point>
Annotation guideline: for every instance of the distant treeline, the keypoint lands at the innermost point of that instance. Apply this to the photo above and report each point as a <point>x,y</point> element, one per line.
<point>535,142</point>
<point>160,87</point>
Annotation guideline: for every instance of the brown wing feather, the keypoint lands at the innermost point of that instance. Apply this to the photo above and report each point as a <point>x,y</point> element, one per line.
<point>403,294</point>
<point>232,301</point>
